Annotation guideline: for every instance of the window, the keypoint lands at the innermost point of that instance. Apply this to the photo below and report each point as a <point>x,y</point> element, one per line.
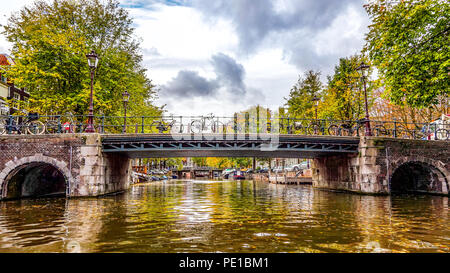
<point>16,100</point>
<point>3,78</point>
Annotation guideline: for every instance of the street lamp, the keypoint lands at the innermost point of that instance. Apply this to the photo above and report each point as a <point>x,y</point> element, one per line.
<point>125,99</point>
<point>316,103</point>
<point>363,70</point>
<point>92,62</point>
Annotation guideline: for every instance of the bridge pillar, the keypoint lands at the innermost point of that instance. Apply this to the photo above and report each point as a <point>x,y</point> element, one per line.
<point>100,173</point>
<point>364,172</point>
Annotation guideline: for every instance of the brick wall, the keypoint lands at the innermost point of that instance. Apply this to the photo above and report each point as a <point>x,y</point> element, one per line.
<point>371,170</point>
<point>87,170</point>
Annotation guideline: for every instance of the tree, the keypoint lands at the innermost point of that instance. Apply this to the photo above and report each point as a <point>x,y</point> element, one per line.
<point>199,161</point>
<point>50,41</point>
<point>258,117</point>
<point>300,102</point>
<point>343,98</point>
<point>409,43</point>
<point>382,109</point>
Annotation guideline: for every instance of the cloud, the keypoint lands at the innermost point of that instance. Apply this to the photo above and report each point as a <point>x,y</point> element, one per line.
<point>229,73</point>
<point>189,84</point>
<point>306,30</point>
<point>229,78</point>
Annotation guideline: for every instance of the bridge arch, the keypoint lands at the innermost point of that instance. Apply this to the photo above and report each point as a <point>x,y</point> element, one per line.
<point>32,176</point>
<point>419,175</point>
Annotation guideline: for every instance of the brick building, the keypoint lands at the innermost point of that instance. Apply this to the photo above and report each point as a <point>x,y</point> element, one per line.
<point>12,98</point>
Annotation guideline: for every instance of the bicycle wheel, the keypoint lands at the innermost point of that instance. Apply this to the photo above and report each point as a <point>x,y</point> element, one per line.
<point>196,127</point>
<point>176,128</point>
<point>35,127</point>
<point>3,125</point>
<point>333,130</point>
<point>402,132</point>
<point>441,134</point>
<point>358,131</point>
<point>158,126</point>
<point>314,129</point>
<point>380,130</point>
<point>345,130</point>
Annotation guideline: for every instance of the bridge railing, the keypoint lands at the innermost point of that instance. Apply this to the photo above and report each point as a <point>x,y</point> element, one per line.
<point>237,124</point>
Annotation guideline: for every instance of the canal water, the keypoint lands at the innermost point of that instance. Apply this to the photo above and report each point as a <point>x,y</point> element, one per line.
<point>226,216</point>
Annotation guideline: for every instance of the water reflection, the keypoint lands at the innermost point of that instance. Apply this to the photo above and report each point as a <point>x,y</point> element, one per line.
<point>223,216</point>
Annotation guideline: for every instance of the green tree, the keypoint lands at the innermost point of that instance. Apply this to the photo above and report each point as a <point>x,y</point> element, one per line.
<point>408,41</point>
<point>50,41</point>
<point>343,97</point>
<point>300,102</point>
<point>200,161</point>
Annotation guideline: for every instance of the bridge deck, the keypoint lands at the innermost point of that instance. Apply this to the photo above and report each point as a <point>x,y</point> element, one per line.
<point>240,145</point>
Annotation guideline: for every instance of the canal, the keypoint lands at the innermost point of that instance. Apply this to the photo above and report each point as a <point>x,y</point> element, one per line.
<point>227,216</point>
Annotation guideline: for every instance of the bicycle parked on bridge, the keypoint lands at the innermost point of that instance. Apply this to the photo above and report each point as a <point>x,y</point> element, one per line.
<point>206,123</point>
<point>172,126</point>
<point>60,124</point>
<point>22,125</point>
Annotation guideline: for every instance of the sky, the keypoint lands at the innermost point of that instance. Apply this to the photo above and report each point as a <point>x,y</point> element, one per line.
<point>223,56</point>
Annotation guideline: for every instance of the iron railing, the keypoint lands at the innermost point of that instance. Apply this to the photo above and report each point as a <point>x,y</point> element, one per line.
<point>245,123</point>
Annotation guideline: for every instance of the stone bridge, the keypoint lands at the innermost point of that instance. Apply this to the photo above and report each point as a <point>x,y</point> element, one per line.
<point>387,165</point>
<point>77,165</point>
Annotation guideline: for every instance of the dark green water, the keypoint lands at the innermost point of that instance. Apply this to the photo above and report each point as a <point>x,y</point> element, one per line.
<point>229,216</point>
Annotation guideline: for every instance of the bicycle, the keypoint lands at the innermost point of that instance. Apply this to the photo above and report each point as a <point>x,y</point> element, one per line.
<point>31,125</point>
<point>348,128</point>
<point>314,128</point>
<point>173,126</point>
<point>204,123</point>
<point>299,127</point>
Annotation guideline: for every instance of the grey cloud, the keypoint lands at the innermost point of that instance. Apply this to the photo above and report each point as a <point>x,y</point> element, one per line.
<point>229,73</point>
<point>190,83</point>
<point>229,78</point>
<point>254,20</point>
<point>257,22</point>
<point>151,52</point>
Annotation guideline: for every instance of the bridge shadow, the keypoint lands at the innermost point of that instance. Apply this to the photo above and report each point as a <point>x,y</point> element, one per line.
<point>34,180</point>
<point>418,178</point>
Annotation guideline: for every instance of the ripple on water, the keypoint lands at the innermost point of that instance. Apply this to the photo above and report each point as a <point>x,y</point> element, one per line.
<point>227,216</point>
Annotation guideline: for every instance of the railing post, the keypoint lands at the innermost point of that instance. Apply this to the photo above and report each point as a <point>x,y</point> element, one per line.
<point>142,124</point>
<point>289,129</point>
<point>235,122</point>
<point>322,123</point>
<point>247,122</point>
<point>435,132</point>
<point>10,121</point>
<point>395,128</point>
<point>81,125</point>
<point>59,124</point>
<point>103,124</point>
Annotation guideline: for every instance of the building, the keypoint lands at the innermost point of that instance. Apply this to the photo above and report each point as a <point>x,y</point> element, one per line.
<point>12,98</point>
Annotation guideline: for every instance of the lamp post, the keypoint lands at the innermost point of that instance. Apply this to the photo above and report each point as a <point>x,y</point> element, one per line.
<point>316,103</point>
<point>92,62</point>
<point>363,70</point>
<point>125,99</point>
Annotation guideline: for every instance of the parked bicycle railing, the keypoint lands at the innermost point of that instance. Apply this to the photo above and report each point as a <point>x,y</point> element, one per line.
<point>237,124</point>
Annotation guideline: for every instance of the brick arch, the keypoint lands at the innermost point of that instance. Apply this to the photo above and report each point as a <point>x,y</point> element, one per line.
<point>12,167</point>
<point>436,166</point>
